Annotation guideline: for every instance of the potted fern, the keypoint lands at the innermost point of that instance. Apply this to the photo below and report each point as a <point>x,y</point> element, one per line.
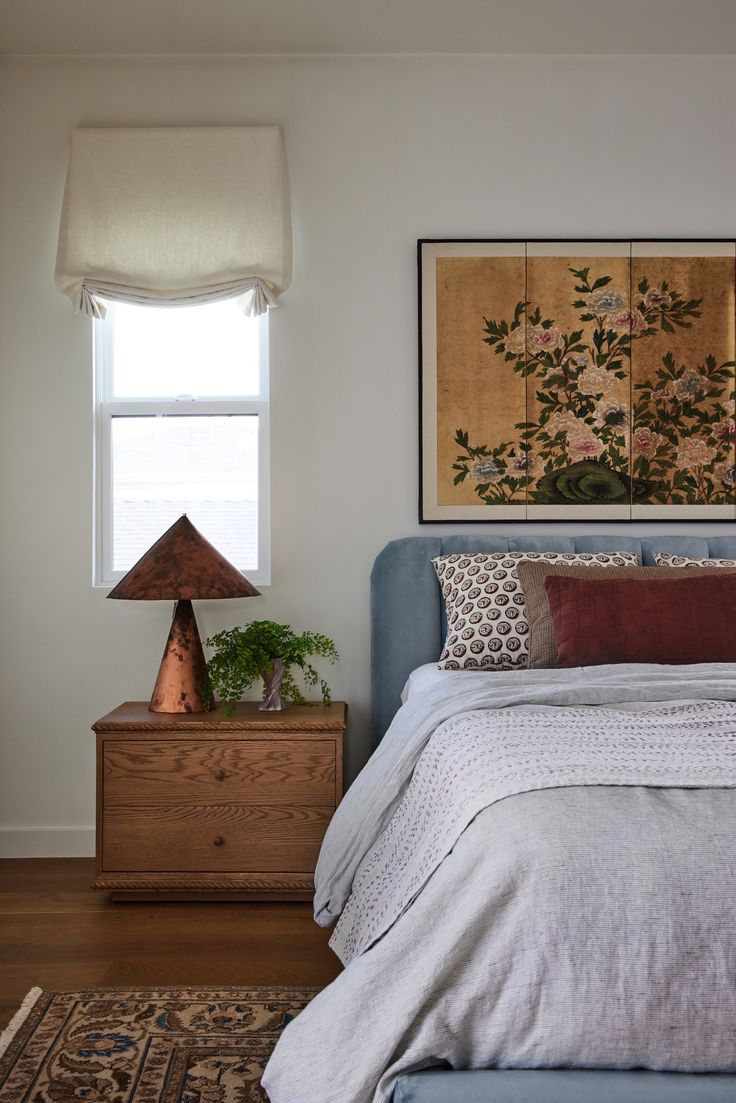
<point>270,651</point>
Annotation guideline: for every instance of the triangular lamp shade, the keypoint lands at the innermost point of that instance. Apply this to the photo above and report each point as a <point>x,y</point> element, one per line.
<point>182,564</point>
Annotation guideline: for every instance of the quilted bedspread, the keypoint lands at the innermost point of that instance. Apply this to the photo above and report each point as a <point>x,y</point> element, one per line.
<point>545,876</point>
<point>481,757</point>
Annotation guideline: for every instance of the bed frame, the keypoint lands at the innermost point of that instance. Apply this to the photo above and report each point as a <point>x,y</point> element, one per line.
<point>408,624</point>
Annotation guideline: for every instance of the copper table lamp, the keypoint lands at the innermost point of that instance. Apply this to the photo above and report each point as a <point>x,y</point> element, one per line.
<point>182,566</point>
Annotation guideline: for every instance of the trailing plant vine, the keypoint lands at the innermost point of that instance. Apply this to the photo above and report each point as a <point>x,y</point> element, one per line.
<point>243,655</point>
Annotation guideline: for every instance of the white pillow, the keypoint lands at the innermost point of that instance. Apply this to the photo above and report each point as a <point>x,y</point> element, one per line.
<point>424,677</point>
<point>487,627</point>
<point>666,559</point>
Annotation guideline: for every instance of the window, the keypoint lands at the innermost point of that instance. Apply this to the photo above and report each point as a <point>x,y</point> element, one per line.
<point>181,427</point>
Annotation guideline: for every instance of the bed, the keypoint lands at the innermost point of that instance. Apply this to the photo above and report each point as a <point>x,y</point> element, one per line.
<point>402,872</point>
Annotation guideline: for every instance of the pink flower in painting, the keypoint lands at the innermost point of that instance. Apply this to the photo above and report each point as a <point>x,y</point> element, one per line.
<point>523,463</point>
<point>725,430</point>
<point>694,453</point>
<point>595,381</point>
<point>664,393</point>
<point>564,421</point>
<point>627,321</point>
<point>646,442</point>
<point>726,472</point>
<point>656,297</point>
<point>611,415</point>
<point>516,341</point>
<point>730,408</point>
<point>584,446</point>
<point>545,340</point>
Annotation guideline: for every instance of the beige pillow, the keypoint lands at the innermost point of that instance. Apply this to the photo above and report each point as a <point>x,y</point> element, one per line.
<point>666,559</point>
<point>542,647</point>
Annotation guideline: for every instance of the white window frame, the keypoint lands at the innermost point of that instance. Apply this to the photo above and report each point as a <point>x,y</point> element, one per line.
<point>106,406</point>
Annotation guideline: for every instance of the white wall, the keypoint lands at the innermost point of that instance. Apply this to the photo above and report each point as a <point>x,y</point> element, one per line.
<point>381,151</point>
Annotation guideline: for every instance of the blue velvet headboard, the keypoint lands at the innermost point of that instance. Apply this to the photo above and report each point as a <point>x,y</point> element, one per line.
<point>407,618</point>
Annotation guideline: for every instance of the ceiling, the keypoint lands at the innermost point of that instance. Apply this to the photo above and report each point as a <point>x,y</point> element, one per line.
<point>90,27</point>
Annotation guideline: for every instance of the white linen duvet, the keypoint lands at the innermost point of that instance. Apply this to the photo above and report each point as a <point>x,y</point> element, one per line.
<point>536,868</point>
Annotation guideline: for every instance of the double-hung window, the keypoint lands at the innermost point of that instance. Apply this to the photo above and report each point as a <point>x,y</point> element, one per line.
<point>181,427</point>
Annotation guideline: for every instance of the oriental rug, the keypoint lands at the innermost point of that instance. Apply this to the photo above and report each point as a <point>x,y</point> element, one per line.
<point>145,1045</point>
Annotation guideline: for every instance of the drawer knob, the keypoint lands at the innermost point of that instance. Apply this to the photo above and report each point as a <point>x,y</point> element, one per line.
<point>218,840</point>
<point>219,774</point>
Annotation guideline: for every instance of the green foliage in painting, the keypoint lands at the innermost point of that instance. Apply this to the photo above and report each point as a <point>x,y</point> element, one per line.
<point>577,451</point>
<point>683,447</point>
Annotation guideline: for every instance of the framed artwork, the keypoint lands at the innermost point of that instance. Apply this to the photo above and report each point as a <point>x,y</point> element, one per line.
<point>577,380</point>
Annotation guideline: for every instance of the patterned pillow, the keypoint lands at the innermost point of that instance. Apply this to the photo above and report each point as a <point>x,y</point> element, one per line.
<point>486,622</point>
<point>665,559</point>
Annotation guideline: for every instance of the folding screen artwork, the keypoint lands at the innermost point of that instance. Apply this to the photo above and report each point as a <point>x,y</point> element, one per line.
<point>578,380</point>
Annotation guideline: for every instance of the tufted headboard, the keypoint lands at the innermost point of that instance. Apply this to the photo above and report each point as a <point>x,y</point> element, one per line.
<point>407,614</point>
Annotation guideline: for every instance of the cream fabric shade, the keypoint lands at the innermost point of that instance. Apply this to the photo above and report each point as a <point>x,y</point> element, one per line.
<point>174,216</point>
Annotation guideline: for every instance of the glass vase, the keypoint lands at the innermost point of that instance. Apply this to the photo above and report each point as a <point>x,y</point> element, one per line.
<point>272,679</point>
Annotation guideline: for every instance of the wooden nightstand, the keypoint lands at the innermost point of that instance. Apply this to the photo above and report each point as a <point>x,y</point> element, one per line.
<point>201,804</point>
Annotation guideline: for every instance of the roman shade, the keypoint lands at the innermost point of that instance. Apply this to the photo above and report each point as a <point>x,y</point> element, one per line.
<point>175,215</point>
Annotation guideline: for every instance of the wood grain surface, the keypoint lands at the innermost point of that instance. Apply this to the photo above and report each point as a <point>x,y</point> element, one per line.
<point>246,717</point>
<point>221,771</point>
<point>200,800</point>
<point>213,837</point>
<point>56,933</point>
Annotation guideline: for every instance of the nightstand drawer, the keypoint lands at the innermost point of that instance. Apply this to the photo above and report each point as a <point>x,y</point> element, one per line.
<point>194,804</point>
<point>181,771</point>
<point>219,838</point>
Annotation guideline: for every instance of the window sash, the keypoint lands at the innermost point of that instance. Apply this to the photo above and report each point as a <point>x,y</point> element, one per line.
<point>107,407</point>
<point>104,368</point>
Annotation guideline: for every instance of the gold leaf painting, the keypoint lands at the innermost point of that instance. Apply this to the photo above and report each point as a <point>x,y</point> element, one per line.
<point>571,380</point>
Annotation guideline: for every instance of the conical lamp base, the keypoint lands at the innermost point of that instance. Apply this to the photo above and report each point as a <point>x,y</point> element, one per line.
<point>182,684</point>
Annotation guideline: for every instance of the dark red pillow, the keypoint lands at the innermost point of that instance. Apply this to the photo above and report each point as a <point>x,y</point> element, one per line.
<point>688,620</point>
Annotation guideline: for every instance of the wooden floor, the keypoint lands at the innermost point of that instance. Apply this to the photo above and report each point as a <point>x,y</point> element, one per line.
<point>55,932</point>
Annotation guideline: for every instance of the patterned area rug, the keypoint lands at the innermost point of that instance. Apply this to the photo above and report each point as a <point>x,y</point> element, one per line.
<point>147,1045</point>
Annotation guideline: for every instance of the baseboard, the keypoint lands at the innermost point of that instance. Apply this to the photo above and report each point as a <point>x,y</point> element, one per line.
<point>47,842</point>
